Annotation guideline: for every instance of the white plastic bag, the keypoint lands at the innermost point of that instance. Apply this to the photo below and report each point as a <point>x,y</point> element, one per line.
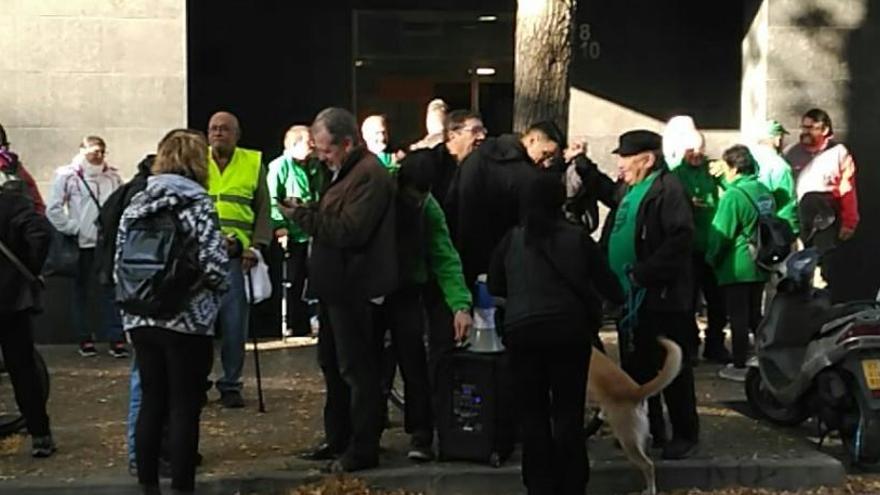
<point>258,279</point>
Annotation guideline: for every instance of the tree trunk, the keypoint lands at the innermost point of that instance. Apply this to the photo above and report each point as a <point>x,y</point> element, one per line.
<point>543,55</point>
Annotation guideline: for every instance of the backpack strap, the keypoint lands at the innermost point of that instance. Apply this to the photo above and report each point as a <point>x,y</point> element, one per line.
<point>19,265</point>
<point>749,198</point>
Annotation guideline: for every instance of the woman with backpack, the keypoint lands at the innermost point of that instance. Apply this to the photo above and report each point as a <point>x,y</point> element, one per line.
<point>730,252</point>
<point>169,312</point>
<point>552,274</point>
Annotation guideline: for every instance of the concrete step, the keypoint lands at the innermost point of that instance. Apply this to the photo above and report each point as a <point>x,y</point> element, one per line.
<point>609,476</point>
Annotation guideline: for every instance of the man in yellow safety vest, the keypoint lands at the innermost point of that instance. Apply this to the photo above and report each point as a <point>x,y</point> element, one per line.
<point>237,183</point>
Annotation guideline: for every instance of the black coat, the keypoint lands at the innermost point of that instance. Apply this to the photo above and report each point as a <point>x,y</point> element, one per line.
<point>664,243</point>
<point>561,278</point>
<point>108,220</point>
<point>595,187</point>
<point>443,170</point>
<point>486,200</point>
<point>27,234</point>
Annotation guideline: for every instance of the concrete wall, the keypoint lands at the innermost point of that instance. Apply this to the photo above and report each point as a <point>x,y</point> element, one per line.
<point>68,68</point>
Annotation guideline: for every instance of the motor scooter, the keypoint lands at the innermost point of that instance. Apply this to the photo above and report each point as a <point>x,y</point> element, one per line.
<point>816,359</point>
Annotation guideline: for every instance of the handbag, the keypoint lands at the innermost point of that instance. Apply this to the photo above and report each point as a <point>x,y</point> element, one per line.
<point>63,257</point>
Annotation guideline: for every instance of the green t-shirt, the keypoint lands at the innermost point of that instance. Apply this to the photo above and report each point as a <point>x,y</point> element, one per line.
<point>387,160</point>
<point>702,189</point>
<point>622,243</point>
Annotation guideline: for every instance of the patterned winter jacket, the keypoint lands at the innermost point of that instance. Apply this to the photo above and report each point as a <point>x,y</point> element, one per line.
<point>199,219</point>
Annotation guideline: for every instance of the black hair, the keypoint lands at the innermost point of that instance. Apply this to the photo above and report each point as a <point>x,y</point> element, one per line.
<point>4,141</point>
<point>549,129</point>
<point>456,119</point>
<point>819,115</point>
<point>545,196</point>
<point>339,123</point>
<point>740,158</point>
<point>415,173</point>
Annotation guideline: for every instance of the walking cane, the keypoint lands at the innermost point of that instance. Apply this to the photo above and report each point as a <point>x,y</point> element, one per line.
<point>262,408</point>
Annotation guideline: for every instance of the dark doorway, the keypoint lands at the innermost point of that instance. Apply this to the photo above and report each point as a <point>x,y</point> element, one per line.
<point>404,59</point>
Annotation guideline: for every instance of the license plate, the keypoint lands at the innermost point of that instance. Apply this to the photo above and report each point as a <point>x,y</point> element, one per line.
<point>871,369</point>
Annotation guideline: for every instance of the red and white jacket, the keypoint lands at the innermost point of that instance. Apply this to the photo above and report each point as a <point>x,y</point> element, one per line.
<point>828,170</point>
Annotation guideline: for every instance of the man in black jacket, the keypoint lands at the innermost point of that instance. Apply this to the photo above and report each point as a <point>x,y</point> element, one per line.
<point>25,236</point>
<point>487,197</point>
<point>649,247</point>
<point>108,220</point>
<point>463,132</point>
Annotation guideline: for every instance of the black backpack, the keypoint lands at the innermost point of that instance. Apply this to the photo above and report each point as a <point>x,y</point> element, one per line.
<point>771,241</point>
<point>158,267</point>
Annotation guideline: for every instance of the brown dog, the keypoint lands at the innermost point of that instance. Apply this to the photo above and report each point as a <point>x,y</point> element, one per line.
<point>624,404</point>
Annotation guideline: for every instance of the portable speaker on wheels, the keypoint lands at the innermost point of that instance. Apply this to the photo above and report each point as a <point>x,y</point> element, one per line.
<point>475,408</point>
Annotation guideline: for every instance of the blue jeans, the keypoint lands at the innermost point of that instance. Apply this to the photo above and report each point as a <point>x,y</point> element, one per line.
<point>232,323</point>
<point>134,406</point>
<point>86,284</point>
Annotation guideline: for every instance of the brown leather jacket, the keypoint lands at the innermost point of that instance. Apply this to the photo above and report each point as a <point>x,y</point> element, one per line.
<point>354,251</point>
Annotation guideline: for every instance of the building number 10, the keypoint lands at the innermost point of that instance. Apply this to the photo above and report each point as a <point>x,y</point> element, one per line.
<point>589,48</point>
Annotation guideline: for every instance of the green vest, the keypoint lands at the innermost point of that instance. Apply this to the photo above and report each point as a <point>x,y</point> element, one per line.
<point>233,192</point>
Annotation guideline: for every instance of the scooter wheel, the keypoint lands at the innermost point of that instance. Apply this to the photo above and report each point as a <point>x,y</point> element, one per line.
<point>768,407</point>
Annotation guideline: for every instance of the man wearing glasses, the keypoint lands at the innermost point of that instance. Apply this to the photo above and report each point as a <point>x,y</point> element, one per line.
<point>463,132</point>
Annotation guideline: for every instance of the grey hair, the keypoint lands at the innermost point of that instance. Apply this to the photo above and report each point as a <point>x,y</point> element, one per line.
<point>339,123</point>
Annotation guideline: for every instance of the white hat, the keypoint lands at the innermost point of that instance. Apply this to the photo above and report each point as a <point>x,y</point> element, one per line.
<point>680,135</point>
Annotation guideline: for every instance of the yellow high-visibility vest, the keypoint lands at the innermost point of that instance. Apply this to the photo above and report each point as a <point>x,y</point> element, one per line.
<point>233,192</point>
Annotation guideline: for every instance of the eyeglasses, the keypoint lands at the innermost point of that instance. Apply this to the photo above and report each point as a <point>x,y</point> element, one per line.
<point>476,129</point>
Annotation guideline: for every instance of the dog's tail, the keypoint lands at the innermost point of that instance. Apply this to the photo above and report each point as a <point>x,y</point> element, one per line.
<point>668,373</point>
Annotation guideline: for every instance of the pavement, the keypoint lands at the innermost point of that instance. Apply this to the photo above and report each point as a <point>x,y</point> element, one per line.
<point>248,452</point>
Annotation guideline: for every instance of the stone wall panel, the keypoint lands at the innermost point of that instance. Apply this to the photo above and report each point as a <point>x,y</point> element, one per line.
<point>825,13</point>
<point>114,68</point>
<point>797,54</point>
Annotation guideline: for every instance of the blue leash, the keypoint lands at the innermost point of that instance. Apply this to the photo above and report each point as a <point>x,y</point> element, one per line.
<point>626,326</point>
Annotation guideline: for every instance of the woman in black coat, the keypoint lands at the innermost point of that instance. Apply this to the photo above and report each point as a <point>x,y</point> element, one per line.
<point>25,236</point>
<point>552,275</point>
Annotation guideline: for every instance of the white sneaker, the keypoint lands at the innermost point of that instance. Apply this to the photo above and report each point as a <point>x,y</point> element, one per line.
<point>731,372</point>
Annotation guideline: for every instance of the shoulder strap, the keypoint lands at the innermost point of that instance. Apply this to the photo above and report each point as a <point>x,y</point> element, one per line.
<point>19,265</point>
<point>749,198</point>
<point>89,189</point>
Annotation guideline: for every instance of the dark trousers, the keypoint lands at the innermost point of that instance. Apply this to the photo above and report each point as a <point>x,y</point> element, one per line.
<point>297,307</point>
<point>647,359</point>
<point>744,311</point>
<point>88,293</point>
<point>551,381</point>
<point>826,241</point>
<point>348,355</point>
<point>441,337</point>
<point>403,315</point>
<point>715,305</point>
<point>173,368</point>
<point>17,342</point>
